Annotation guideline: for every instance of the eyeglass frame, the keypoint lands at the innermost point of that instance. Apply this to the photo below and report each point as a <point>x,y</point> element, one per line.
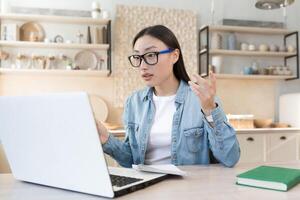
<point>142,57</point>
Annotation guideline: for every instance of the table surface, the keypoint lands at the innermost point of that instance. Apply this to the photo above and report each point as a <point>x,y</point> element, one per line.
<point>202,182</point>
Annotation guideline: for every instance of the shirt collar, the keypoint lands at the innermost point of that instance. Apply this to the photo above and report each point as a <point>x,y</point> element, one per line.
<point>180,94</point>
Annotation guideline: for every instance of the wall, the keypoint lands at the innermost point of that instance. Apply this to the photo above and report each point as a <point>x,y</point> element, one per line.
<point>229,91</point>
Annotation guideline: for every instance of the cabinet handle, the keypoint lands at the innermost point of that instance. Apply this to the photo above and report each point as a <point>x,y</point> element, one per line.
<point>250,139</point>
<point>282,138</point>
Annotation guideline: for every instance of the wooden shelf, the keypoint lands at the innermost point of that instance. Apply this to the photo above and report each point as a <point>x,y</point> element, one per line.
<point>55,19</point>
<point>254,77</point>
<point>254,30</point>
<point>54,72</point>
<point>53,45</point>
<point>249,53</point>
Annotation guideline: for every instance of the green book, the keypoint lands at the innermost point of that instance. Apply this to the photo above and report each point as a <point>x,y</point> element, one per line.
<point>268,177</point>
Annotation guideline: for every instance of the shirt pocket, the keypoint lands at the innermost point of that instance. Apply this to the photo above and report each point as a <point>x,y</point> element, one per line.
<point>193,138</point>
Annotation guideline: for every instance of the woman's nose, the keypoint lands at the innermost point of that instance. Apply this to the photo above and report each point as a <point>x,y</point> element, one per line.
<point>144,65</point>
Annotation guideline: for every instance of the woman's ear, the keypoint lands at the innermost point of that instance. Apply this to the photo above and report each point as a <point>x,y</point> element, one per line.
<point>175,56</point>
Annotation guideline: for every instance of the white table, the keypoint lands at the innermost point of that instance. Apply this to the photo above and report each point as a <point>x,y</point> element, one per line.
<point>203,182</point>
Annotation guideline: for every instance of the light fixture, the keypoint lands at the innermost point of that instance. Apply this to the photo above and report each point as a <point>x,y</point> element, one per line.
<point>272,4</point>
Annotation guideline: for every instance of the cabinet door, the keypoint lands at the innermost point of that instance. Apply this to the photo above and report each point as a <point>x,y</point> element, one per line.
<point>281,147</point>
<point>252,147</point>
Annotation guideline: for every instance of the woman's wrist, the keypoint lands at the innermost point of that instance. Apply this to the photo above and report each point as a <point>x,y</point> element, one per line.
<point>208,109</point>
<point>104,138</point>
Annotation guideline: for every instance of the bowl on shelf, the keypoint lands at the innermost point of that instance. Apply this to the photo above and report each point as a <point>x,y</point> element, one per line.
<point>280,125</point>
<point>262,123</point>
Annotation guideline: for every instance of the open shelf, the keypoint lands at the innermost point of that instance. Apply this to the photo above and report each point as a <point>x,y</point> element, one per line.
<point>244,29</point>
<point>54,19</point>
<point>23,44</point>
<point>55,72</point>
<point>250,53</point>
<point>254,77</point>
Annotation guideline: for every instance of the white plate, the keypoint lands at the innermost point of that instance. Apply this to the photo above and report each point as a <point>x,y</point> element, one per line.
<point>99,108</point>
<point>86,60</point>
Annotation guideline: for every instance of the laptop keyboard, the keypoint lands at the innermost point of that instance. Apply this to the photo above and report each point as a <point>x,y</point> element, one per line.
<point>120,181</point>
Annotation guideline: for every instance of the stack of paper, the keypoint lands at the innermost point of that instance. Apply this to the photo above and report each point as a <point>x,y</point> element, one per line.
<point>164,169</point>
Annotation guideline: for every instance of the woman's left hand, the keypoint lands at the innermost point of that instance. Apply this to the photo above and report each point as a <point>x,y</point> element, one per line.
<point>205,90</point>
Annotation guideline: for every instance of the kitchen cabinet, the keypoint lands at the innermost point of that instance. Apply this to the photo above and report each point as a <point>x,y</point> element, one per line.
<point>269,145</point>
<point>207,51</point>
<point>252,147</point>
<point>281,147</point>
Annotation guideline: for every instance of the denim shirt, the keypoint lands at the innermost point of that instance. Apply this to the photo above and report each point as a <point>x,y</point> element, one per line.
<point>192,136</point>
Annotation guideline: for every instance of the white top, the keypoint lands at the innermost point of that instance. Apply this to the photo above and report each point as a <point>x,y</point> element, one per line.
<point>159,142</point>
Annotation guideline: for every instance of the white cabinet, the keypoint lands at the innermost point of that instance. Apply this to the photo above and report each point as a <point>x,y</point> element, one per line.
<point>282,147</point>
<point>252,147</point>
<point>269,145</point>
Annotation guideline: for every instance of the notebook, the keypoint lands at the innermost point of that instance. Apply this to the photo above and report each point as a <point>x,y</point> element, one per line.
<point>269,177</point>
<point>164,169</point>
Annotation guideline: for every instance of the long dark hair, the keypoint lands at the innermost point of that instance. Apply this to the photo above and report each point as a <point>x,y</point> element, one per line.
<point>168,38</point>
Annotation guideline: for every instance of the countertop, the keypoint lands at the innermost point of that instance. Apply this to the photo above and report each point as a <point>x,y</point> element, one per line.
<point>214,182</point>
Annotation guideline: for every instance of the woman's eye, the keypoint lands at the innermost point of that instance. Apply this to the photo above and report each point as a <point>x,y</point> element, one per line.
<point>150,55</point>
<point>136,57</point>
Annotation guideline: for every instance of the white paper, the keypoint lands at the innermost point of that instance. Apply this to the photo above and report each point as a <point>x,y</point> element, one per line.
<point>165,169</point>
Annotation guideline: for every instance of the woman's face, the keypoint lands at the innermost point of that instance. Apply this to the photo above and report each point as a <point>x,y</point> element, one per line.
<point>155,75</point>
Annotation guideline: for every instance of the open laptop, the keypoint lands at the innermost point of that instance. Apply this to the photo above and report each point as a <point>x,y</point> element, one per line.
<point>52,140</point>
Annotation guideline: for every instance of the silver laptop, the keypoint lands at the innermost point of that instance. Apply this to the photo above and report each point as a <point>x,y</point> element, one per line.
<point>52,140</point>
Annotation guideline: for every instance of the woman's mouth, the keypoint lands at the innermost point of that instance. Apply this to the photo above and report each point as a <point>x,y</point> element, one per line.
<point>147,77</point>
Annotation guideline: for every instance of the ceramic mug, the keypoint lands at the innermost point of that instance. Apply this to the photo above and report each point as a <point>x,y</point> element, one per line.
<point>251,47</point>
<point>244,46</point>
<point>263,47</point>
<point>247,70</point>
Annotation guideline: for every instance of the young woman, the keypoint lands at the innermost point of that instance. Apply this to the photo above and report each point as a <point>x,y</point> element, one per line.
<point>173,120</point>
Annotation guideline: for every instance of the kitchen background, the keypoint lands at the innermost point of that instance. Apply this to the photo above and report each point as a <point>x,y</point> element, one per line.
<point>259,97</point>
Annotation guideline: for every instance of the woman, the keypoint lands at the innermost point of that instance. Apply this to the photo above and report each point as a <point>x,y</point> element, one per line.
<point>173,120</point>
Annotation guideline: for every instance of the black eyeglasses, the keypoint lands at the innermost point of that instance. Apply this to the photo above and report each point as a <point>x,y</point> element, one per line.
<point>151,58</point>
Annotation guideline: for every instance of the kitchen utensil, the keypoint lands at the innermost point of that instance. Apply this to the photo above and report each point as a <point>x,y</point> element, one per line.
<point>216,41</point>
<point>262,123</point>
<point>32,31</point>
<point>244,46</point>
<point>290,48</point>
<point>280,125</point>
<point>241,121</point>
<point>263,47</point>
<point>86,60</point>
<point>231,41</point>
<point>251,47</point>
<point>3,55</point>
<point>247,70</point>
<point>99,108</point>
<point>58,39</point>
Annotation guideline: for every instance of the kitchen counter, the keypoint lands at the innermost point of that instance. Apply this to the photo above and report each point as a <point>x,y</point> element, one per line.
<point>121,132</point>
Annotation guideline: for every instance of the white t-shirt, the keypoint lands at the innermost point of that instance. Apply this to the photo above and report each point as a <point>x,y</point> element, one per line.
<point>159,142</point>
